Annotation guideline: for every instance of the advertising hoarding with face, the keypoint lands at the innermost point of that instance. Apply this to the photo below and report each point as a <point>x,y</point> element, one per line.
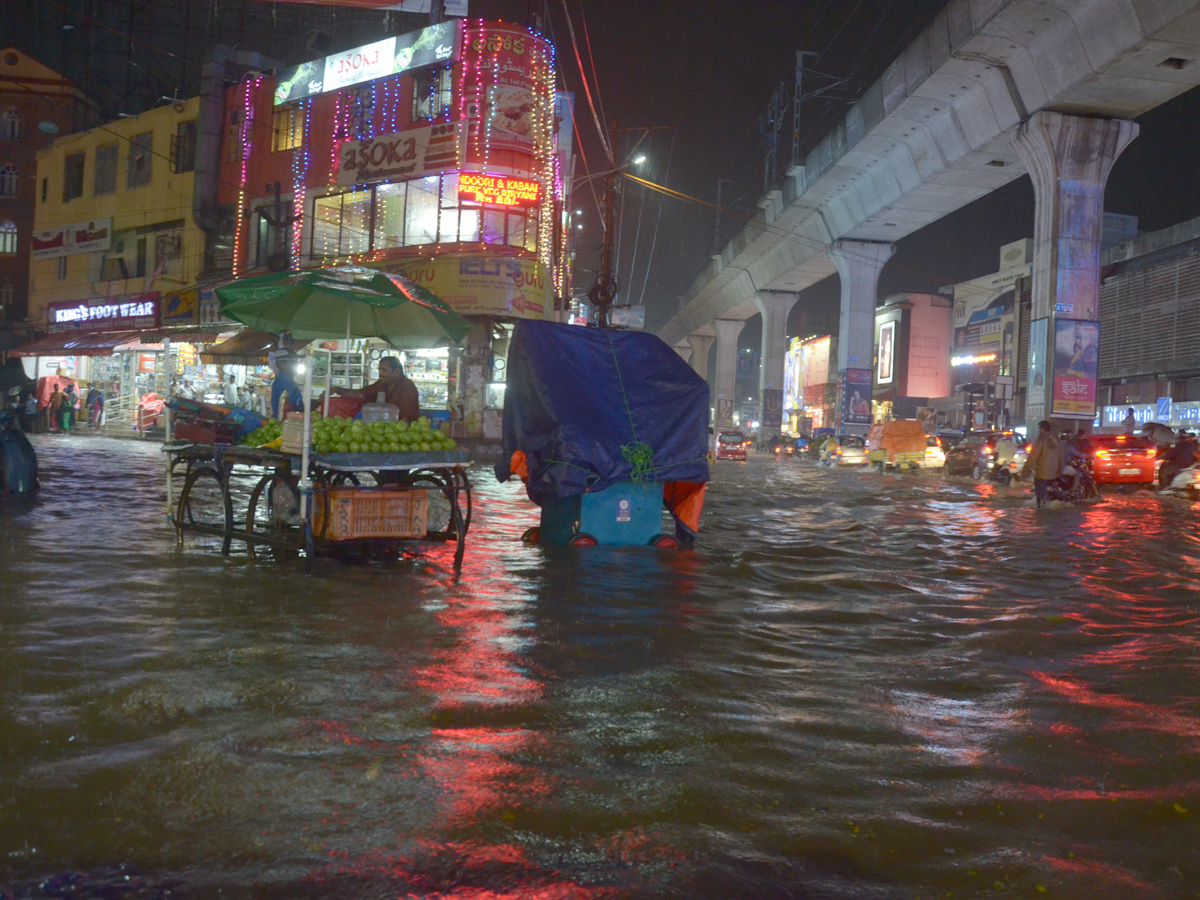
<point>1076,369</point>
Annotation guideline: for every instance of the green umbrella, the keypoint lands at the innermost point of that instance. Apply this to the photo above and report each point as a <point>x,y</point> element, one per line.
<point>343,302</point>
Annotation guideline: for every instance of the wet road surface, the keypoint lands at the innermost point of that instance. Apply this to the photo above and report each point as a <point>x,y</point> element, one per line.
<point>856,686</point>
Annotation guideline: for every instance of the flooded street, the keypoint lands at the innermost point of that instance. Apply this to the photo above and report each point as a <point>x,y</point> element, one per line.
<point>856,686</point>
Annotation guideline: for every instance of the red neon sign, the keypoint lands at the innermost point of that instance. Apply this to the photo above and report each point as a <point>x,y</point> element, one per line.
<point>497,190</point>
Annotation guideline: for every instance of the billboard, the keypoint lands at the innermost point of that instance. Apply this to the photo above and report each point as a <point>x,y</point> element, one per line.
<point>885,370</point>
<point>983,329</point>
<point>1035,403</point>
<point>390,56</point>
<point>485,285</point>
<point>409,154</point>
<point>856,396</point>
<point>507,85</point>
<point>78,237</point>
<point>127,312</point>
<point>1076,368</point>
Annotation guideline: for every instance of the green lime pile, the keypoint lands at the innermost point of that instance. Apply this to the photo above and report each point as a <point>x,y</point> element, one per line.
<point>270,430</point>
<point>338,435</point>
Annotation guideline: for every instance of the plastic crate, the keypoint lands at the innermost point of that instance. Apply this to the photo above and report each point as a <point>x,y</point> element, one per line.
<point>346,514</point>
<point>200,431</point>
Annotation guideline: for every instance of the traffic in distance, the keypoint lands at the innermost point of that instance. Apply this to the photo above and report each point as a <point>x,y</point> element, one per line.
<point>1152,456</point>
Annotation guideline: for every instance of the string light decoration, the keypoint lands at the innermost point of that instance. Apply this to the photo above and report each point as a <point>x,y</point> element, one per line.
<point>301,162</point>
<point>249,87</point>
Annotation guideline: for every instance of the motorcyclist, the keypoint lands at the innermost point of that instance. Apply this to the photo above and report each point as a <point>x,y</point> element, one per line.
<point>1006,452</point>
<point>1073,459</point>
<point>1181,456</point>
<point>829,450</point>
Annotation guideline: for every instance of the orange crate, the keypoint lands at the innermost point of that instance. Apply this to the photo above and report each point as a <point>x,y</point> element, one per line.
<point>344,514</point>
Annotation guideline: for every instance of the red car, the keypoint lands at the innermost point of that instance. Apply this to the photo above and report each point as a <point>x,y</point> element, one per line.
<point>731,445</point>
<point>1120,458</point>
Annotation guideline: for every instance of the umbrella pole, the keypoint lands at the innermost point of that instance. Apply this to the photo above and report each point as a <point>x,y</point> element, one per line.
<point>304,452</point>
<point>168,429</point>
<point>328,383</point>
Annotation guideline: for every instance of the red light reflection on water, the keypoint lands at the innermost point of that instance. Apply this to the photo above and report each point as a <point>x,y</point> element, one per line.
<point>1135,715</point>
<point>1104,874</point>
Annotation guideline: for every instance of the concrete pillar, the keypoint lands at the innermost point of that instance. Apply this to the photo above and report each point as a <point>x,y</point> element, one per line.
<point>472,376</point>
<point>1069,159</point>
<point>859,264</point>
<point>684,349</point>
<point>774,307</point>
<point>727,336</point>
<point>701,344</point>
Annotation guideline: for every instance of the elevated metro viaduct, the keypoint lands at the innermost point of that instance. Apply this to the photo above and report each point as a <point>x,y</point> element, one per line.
<point>991,91</point>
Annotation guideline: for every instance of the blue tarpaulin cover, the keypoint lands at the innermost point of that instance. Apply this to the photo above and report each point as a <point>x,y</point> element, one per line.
<point>591,407</point>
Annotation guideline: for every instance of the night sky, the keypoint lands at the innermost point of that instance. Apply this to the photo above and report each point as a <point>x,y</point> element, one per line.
<point>688,82</point>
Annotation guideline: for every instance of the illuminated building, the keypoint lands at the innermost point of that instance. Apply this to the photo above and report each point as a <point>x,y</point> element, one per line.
<point>434,154</point>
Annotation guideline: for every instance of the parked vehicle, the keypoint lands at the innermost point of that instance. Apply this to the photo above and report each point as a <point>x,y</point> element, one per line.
<point>1120,458</point>
<point>732,445</point>
<point>899,444</point>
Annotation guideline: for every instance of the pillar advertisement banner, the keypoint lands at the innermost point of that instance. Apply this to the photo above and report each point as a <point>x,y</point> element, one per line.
<point>856,396</point>
<point>1038,346</point>
<point>1076,369</point>
<point>724,413</point>
<point>772,413</point>
<point>485,285</point>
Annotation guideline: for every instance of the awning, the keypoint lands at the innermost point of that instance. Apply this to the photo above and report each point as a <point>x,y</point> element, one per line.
<point>249,348</point>
<point>188,334</point>
<point>76,343</point>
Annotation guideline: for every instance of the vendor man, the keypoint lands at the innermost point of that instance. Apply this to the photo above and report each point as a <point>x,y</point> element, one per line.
<point>396,387</point>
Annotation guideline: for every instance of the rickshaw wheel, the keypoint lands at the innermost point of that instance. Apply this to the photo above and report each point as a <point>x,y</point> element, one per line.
<point>583,539</point>
<point>532,535</point>
<point>665,541</point>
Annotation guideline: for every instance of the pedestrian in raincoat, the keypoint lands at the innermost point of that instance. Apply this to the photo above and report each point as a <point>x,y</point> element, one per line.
<point>1045,461</point>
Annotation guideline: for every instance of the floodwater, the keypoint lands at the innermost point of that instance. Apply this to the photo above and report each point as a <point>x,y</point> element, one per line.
<point>856,686</point>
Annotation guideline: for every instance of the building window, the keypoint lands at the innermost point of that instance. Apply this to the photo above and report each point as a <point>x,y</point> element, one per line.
<point>431,94</point>
<point>140,270</point>
<point>183,147</point>
<point>8,290</point>
<point>411,214</point>
<point>8,181</point>
<point>140,148</point>
<point>287,127</point>
<point>8,238</point>
<point>61,270</point>
<point>272,244</point>
<point>233,136</point>
<point>10,124</point>
<point>45,188</point>
<point>73,177</point>
<point>105,181</point>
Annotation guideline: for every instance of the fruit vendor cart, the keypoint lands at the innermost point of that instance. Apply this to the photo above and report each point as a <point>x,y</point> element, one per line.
<point>253,494</point>
<point>306,499</point>
<point>609,431</point>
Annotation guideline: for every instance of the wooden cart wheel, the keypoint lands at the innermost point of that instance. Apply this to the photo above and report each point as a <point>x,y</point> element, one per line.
<point>665,541</point>
<point>205,507</point>
<point>583,539</point>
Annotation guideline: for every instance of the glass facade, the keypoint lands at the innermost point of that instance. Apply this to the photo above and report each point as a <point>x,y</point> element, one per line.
<point>389,216</point>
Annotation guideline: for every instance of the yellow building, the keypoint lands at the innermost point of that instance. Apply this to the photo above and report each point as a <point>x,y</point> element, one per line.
<point>115,247</point>
<point>114,219</point>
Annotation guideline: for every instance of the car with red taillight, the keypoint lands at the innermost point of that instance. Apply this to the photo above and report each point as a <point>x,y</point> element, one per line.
<point>1120,458</point>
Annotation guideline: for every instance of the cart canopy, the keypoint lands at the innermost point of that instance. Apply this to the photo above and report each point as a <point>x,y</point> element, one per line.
<point>585,408</point>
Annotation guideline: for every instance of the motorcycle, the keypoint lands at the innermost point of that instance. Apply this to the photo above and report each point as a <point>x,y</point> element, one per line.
<point>997,473</point>
<point>1080,489</point>
<point>785,450</point>
<point>1186,483</point>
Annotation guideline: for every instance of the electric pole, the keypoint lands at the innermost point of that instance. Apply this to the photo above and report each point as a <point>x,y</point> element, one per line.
<point>604,291</point>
